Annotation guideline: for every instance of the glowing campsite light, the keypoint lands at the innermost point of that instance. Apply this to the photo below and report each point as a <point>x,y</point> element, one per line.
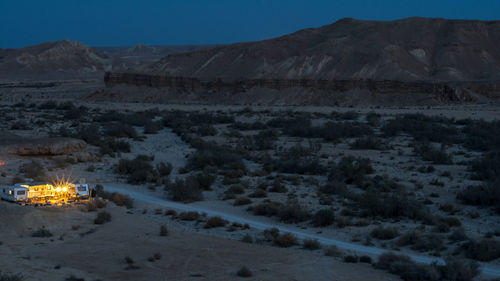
<point>58,189</point>
<point>2,163</point>
<point>64,189</point>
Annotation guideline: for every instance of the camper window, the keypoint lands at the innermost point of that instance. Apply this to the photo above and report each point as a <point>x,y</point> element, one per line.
<point>21,192</point>
<point>82,188</point>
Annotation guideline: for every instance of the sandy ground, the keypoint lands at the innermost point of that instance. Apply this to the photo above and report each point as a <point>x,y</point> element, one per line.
<point>184,255</point>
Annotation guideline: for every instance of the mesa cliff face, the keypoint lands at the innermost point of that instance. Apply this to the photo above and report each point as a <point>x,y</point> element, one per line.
<point>409,61</point>
<point>412,49</point>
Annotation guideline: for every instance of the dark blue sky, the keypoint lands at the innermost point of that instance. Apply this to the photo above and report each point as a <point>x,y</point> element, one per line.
<point>174,22</point>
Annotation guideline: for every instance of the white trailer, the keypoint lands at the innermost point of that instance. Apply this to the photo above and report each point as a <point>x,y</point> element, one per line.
<point>14,193</point>
<point>82,191</point>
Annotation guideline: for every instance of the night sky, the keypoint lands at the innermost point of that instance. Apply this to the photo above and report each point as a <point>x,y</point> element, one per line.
<point>176,22</point>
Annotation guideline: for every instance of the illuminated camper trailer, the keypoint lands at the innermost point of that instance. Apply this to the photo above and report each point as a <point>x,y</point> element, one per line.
<point>14,193</point>
<point>39,191</point>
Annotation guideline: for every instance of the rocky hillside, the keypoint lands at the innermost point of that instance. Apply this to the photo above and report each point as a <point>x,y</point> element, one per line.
<point>55,60</point>
<point>408,50</point>
<point>125,57</point>
<point>69,59</point>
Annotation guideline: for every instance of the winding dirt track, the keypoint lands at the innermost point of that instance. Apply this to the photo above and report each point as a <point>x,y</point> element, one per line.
<point>486,270</point>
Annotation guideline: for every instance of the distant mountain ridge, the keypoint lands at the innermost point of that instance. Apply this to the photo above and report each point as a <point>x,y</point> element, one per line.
<point>411,49</point>
<point>71,59</point>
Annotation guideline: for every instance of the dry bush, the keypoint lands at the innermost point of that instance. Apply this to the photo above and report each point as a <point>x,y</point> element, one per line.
<point>189,216</point>
<point>484,250</point>
<point>323,217</point>
<point>244,272</point>
<point>215,222</point>
<point>187,190</point>
<point>163,230</point>
<point>242,201</point>
<point>285,240</point>
<point>332,251</point>
<point>102,217</point>
<point>311,244</point>
<point>41,232</point>
<point>351,259</point>
<point>383,233</point>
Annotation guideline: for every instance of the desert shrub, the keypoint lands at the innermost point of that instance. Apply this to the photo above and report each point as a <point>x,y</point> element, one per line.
<point>453,270</point>
<point>482,135</point>
<point>351,259</point>
<point>110,146</point>
<point>90,134</point>
<point>334,187</point>
<point>11,277</point>
<point>122,200</point>
<point>298,160</point>
<point>459,270</point>
<point>428,242</point>
<point>19,125</point>
<point>311,244</point>
<point>373,118</point>
<point>244,272</point>
<point>487,167</point>
<point>384,233</point>
<point>394,205</point>
<point>293,212</point>
<point>267,209</point>
<point>163,230</point>
<point>429,153</point>
<point>247,238</point>
<point>242,201</point>
<point>421,127</point>
<point>404,267</point>
<point>102,217</point>
<point>139,170</point>
<point>42,232</point>
<point>285,240</point>
<point>323,217</point>
<point>485,250</point>
<point>259,193</point>
<point>205,180</point>
<point>209,154</point>
<point>236,189</point>
<point>189,216</point>
<point>487,194</point>
<point>206,130</point>
<point>278,187</point>
<point>34,170</point>
<point>332,251</point>
<point>120,130</point>
<point>215,222</point>
<point>351,169</point>
<point>271,233</point>
<point>163,169</point>
<point>409,238</point>
<point>365,259</point>
<point>187,190</point>
<point>368,142</point>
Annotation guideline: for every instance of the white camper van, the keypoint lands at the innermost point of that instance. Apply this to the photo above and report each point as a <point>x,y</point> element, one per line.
<point>82,191</point>
<point>14,193</point>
